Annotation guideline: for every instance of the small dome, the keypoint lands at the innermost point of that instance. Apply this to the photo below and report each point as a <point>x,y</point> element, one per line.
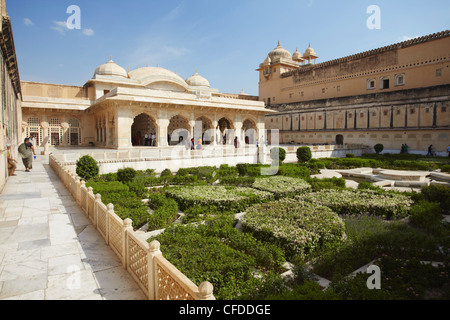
<point>310,53</point>
<point>197,81</point>
<point>268,61</point>
<point>297,56</point>
<point>111,69</point>
<point>279,52</point>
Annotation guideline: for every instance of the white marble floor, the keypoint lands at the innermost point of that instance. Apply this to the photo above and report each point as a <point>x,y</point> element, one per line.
<point>49,250</point>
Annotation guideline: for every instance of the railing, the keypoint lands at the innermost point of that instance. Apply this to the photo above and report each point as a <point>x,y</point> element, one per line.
<point>156,276</point>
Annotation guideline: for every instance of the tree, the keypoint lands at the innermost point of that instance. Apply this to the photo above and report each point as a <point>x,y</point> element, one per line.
<point>87,167</point>
<point>278,154</point>
<point>378,148</point>
<point>304,154</point>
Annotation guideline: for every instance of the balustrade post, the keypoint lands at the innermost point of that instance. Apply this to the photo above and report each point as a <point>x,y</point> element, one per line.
<point>109,212</point>
<point>154,250</point>
<point>98,200</point>
<point>89,191</point>
<point>77,190</point>
<point>205,291</point>
<point>127,226</point>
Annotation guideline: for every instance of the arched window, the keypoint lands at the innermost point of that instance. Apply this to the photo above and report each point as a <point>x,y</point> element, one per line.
<point>55,131</point>
<point>74,132</point>
<point>34,130</point>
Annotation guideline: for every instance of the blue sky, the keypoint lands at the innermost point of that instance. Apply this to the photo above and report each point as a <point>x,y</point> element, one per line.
<point>224,40</point>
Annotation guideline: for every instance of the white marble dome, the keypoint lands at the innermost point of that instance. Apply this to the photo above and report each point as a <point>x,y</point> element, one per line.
<point>197,81</point>
<point>280,52</point>
<point>111,69</point>
<point>158,78</point>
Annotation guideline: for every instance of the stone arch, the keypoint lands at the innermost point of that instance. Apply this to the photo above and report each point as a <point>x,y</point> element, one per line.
<point>226,131</point>
<point>143,124</point>
<point>178,129</point>
<point>207,129</point>
<point>250,131</point>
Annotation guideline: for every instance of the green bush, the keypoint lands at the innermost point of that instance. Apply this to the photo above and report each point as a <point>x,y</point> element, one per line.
<point>166,173</point>
<point>165,211</point>
<point>356,202</point>
<point>304,154</point>
<point>300,228</point>
<point>107,187</point>
<point>294,170</point>
<point>282,186</point>
<point>440,194</point>
<point>126,175</point>
<point>228,198</point>
<point>427,216</point>
<point>278,154</point>
<point>378,148</point>
<point>327,183</point>
<point>87,167</point>
<point>138,188</point>
<point>349,155</point>
<point>219,253</point>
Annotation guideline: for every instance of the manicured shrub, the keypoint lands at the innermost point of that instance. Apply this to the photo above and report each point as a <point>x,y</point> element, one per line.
<point>440,194</point>
<point>378,148</point>
<point>282,186</point>
<point>327,183</point>
<point>165,211</point>
<point>304,154</point>
<point>427,216</point>
<point>166,173</point>
<point>229,259</point>
<point>126,175</point>
<point>107,187</point>
<point>349,155</point>
<point>356,202</point>
<point>294,170</point>
<point>300,228</point>
<point>228,198</point>
<point>87,167</point>
<point>278,154</point>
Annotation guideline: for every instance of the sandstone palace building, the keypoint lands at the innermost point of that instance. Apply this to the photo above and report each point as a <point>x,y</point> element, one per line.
<point>392,95</point>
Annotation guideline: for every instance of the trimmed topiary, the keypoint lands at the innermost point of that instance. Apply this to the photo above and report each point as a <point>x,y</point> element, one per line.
<point>304,154</point>
<point>378,148</point>
<point>87,167</point>
<point>278,154</point>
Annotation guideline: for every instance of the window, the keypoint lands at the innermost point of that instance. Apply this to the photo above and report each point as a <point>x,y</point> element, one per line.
<point>301,94</point>
<point>385,112</point>
<point>291,95</point>
<point>371,84</point>
<point>320,118</point>
<point>323,90</point>
<point>385,83</point>
<point>400,79</point>
<point>338,88</point>
<point>427,110</point>
<point>412,111</point>
<point>350,115</point>
<point>105,92</point>
<point>444,109</point>
<point>438,72</point>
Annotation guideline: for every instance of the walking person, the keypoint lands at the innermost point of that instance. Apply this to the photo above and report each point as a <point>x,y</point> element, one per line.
<point>448,150</point>
<point>430,151</point>
<point>26,151</point>
<point>12,163</point>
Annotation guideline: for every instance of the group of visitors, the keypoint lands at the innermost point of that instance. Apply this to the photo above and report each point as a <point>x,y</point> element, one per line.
<point>404,148</point>
<point>150,139</point>
<point>26,152</point>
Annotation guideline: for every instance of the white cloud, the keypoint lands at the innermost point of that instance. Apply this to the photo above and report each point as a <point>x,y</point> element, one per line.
<point>88,32</point>
<point>28,22</point>
<point>60,26</point>
<point>406,38</point>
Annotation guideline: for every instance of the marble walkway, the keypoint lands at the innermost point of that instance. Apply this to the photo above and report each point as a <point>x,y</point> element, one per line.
<point>49,249</point>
